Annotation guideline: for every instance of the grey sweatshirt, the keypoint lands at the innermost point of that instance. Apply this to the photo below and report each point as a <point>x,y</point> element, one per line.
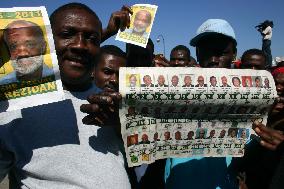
<point>49,147</point>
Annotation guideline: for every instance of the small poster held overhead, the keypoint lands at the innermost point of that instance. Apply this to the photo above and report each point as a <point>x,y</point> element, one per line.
<point>140,25</point>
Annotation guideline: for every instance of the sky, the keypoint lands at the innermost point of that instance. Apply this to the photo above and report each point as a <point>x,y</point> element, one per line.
<point>178,20</point>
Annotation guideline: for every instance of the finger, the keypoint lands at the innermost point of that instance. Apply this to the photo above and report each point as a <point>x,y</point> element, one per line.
<point>92,120</point>
<point>123,21</point>
<point>127,20</point>
<point>276,134</point>
<point>162,64</point>
<point>127,9</point>
<point>268,145</point>
<point>264,135</point>
<point>100,99</point>
<point>272,138</point>
<point>116,96</point>
<point>256,123</point>
<point>89,108</point>
<point>279,100</point>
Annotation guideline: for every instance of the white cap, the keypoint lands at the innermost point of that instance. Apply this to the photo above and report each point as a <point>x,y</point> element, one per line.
<point>211,26</point>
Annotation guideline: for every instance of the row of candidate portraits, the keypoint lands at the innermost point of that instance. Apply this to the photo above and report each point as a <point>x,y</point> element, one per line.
<point>200,133</point>
<point>191,80</point>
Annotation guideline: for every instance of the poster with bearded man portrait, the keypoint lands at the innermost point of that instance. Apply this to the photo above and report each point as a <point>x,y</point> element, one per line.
<point>140,25</point>
<point>29,65</point>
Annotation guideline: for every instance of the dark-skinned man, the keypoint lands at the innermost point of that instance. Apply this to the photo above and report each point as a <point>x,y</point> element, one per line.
<point>180,57</point>
<point>215,48</point>
<point>253,59</point>
<point>49,146</point>
<point>106,72</point>
<point>269,151</point>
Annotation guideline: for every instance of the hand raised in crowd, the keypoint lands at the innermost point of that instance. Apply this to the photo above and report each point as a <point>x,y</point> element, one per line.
<point>160,61</point>
<point>102,110</point>
<point>118,20</point>
<point>270,138</point>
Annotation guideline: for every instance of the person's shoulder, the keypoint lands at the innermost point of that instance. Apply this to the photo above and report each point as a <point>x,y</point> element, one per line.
<point>9,78</point>
<point>47,71</point>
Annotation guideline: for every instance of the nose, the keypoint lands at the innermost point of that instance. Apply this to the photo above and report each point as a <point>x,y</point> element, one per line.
<point>114,80</point>
<point>174,63</point>
<point>20,52</point>
<point>279,88</point>
<point>80,42</point>
<point>215,59</point>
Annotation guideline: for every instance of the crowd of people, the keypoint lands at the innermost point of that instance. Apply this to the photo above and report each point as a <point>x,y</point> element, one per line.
<point>76,143</point>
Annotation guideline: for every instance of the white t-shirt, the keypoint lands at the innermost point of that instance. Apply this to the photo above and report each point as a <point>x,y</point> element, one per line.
<point>48,147</point>
<point>268,33</point>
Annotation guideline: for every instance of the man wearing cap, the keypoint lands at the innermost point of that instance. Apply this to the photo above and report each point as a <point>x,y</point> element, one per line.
<point>215,47</point>
<point>215,44</point>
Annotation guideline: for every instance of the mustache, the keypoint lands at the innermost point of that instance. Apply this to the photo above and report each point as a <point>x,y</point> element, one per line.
<point>112,86</point>
<point>20,67</point>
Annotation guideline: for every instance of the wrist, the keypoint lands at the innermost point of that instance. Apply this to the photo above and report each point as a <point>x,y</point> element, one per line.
<point>106,34</point>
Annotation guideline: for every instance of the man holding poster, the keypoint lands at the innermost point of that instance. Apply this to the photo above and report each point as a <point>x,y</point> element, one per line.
<point>54,145</point>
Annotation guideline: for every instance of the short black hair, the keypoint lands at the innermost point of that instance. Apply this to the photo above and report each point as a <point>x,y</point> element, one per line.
<point>237,79</point>
<point>113,50</point>
<point>71,6</point>
<point>252,52</point>
<point>212,77</point>
<point>257,78</point>
<point>218,37</point>
<point>182,48</point>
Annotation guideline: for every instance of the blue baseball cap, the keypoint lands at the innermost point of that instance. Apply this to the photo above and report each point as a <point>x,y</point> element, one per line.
<point>213,26</point>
